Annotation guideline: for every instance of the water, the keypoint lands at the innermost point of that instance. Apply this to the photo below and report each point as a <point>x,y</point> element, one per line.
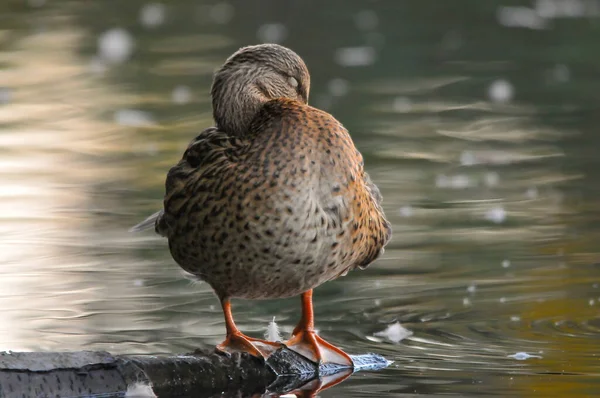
<point>477,120</point>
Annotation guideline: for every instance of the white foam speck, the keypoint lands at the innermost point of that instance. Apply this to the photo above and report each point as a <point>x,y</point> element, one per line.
<point>133,118</point>
<point>338,87</point>
<point>591,302</point>
<point>181,95</point>
<point>394,332</point>
<point>532,193</point>
<point>460,181</point>
<point>139,390</point>
<point>521,356</point>
<point>402,104</point>
<point>221,13</point>
<point>377,302</point>
<point>272,33</point>
<point>406,211</point>
<point>355,56</point>
<point>496,215</point>
<point>505,263</point>
<point>502,300</point>
<point>501,91</point>
<point>366,20</point>
<point>138,282</point>
<point>152,15</point>
<point>520,17</point>
<point>472,288</point>
<point>466,302</point>
<point>272,332</point>
<point>515,318</point>
<point>115,45</point>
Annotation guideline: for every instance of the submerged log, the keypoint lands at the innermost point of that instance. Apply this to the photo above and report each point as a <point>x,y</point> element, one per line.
<point>198,374</point>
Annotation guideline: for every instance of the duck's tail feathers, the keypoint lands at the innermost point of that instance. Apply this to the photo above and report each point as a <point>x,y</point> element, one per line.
<point>148,223</point>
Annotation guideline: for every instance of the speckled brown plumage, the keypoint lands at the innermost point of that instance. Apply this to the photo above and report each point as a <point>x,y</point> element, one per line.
<point>275,202</point>
<point>276,213</point>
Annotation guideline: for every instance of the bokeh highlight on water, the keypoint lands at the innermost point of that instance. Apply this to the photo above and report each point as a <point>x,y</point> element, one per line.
<point>476,119</point>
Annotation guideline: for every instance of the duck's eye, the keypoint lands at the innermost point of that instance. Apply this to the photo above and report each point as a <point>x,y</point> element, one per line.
<point>293,82</point>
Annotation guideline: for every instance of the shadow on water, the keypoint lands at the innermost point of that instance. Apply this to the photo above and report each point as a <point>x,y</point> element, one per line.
<point>476,119</point>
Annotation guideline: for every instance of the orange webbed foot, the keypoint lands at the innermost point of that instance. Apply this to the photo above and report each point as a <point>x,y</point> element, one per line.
<point>308,344</point>
<point>239,342</point>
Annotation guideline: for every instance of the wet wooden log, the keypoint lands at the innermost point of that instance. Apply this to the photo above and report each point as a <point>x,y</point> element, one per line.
<point>198,374</point>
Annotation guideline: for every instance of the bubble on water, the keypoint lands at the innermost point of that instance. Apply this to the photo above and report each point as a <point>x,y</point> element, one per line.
<point>272,33</point>
<point>394,332</point>
<point>591,302</point>
<point>5,95</point>
<point>221,13</point>
<point>181,94</point>
<point>467,158</point>
<point>496,215</point>
<point>491,179</point>
<point>355,56</point>
<point>472,288</point>
<point>520,17</point>
<point>502,300</point>
<point>466,302</point>
<point>115,45</point>
<point>272,332</point>
<point>152,15</point>
<point>501,91</point>
<point>338,87</point>
<point>133,118</point>
<point>406,211</point>
<point>505,263</point>
<point>532,193</point>
<point>366,20</point>
<point>521,356</point>
<point>515,318</point>
<point>402,104</point>
<point>138,282</point>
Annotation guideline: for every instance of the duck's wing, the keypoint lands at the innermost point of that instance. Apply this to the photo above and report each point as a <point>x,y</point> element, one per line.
<point>322,163</point>
<point>201,160</point>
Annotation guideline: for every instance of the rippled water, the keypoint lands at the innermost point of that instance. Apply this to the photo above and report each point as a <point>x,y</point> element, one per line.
<point>477,120</point>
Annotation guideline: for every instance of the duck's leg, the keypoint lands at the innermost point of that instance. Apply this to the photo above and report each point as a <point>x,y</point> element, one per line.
<point>236,341</point>
<point>306,342</point>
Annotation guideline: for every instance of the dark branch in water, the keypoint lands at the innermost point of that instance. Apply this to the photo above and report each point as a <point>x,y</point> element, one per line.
<point>199,374</point>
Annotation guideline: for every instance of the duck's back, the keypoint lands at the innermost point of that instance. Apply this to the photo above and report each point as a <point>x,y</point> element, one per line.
<point>276,213</point>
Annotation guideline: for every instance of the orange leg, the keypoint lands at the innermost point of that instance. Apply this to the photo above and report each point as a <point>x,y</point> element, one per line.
<point>236,341</point>
<point>306,342</point>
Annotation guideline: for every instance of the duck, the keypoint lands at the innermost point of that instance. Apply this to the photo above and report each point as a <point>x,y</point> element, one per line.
<point>272,201</point>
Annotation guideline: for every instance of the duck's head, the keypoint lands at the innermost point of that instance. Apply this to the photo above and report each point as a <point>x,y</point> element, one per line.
<point>253,76</point>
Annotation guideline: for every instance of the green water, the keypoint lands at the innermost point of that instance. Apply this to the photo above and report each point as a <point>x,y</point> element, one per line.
<point>481,135</point>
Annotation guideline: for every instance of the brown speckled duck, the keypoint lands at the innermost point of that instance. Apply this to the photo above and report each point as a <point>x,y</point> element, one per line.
<point>272,201</point>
